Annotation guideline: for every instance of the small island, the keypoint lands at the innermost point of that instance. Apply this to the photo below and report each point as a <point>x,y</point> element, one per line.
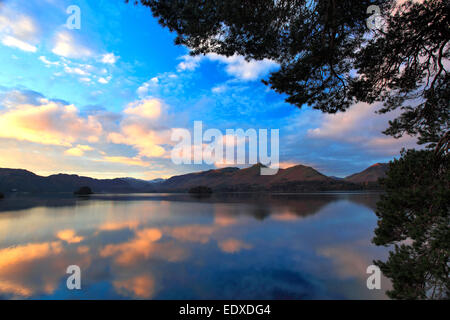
<point>2,195</point>
<point>201,190</point>
<point>83,191</point>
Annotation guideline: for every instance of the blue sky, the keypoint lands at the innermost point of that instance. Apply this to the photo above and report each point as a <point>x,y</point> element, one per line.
<point>102,100</point>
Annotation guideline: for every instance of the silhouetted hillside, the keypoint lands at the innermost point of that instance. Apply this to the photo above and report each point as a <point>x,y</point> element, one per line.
<point>298,178</point>
<point>369,175</point>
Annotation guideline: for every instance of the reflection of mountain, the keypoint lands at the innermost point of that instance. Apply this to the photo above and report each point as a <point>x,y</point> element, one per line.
<point>294,179</point>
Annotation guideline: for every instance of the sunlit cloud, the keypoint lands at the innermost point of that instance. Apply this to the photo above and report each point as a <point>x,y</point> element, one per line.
<point>48,123</point>
<point>109,58</point>
<point>66,45</point>
<point>78,151</point>
<point>18,30</point>
<point>126,160</point>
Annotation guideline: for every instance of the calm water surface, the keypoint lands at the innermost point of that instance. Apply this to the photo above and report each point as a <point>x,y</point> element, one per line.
<point>158,246</point>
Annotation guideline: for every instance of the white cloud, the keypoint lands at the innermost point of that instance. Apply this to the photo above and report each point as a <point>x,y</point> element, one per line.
<point>47,62</point>
<point>66,46</point>
<point>142,91</point>
<point>103,80</point>
<point>16,43</point>
<point>236,65</point>
<point>189,63</point>
<point>109,58</point>
<point>18,30</point>
<point>76,70</point>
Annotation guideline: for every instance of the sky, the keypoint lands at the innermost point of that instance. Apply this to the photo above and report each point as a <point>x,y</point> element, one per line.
<point>103,100</point>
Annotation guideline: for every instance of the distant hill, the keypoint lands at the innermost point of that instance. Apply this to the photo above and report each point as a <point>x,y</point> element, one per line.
<point>369,175</point>
<point>298,178</point>
<point>26,181</point>
<point>294,179</point>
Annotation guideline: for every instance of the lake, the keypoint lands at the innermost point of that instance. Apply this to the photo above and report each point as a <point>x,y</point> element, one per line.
<point>175,246</point>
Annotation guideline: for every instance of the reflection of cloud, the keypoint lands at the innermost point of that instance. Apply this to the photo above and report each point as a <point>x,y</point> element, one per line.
<point>349,263</point>
<point>83,249</point>
<point>224,220</point>
<point>118,225</point>
<point>233,245</point>
<point>69,236</point>
<point>138,287</point>
<point>16,268</point>
<point>25,253</point>
<point>192,233</point>
<point>286,215</point>
<point>143,246</point>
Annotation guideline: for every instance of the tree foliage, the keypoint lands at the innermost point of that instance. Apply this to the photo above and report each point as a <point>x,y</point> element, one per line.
<point>414,216</point>
<point>328,57</point>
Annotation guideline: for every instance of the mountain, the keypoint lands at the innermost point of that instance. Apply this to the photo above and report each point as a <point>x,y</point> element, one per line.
<point>294,179</point>
<point>26,181</point>
<point>369,175</point>
<point>298,178</point>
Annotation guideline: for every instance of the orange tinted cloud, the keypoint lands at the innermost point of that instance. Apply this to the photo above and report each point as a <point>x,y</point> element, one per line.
<point>147,108</point>
<point>49,123</point>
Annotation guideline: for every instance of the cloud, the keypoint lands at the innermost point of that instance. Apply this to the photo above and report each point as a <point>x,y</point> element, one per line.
<point>66,46</point>
<point>142,129</point>
<point>362,127</point>
<point>148,108</point>
<point>143,90</point>
<point>78,151</point>
<point>126,160</point>
<point>189,63</point>
<point>47,62</point>
<point>17,43</point>
<point>18,30</point>
<point>48,122</point>
<point>236,66</point>
<point>104,80</point>
<point>109,58</point>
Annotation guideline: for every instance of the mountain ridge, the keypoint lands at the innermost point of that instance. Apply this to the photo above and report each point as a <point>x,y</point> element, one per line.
<point>298,178</point>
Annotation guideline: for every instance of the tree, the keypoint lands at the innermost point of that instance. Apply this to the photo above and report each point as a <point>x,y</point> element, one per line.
<point>413,216</point>
<point>83,191</point>
<point>330,60</point>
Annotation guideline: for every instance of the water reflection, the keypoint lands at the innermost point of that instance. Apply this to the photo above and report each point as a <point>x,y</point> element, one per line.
<point>162,246</point>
